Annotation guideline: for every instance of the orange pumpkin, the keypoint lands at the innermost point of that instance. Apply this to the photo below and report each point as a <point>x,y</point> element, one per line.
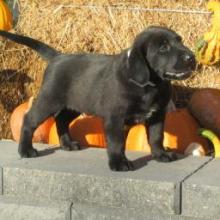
<point>41,134</point>
<point>87,130</point>
<point>180,130</point>
<point>6,19</point>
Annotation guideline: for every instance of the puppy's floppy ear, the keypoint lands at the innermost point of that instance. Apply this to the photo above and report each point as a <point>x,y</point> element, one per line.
<point>138,70</point>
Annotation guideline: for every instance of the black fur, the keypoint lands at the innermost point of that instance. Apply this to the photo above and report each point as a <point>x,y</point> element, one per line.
<point>127,88</point>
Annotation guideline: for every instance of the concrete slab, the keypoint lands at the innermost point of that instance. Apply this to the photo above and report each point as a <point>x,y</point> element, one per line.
<point>88,212</point>
<point>1,181</point>
<point>84,177</point>
<point>9,153</point>
<point>15,209</point>
<point>9,150</point>
<point>201,192</point>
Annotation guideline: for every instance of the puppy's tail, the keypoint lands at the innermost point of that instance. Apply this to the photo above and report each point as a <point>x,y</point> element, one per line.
<point>44,50</point>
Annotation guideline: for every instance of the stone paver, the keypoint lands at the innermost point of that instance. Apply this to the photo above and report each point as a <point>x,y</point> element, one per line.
<point>84,177</point>
<point>86,212</point>
<point>201,192</point>
<point>14,209</point>
<point>1,181</point>
<point>8,153</point>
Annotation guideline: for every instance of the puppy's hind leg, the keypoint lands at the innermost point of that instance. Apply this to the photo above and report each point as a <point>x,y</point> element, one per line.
<point>63,120</point>
<point>34,117</point>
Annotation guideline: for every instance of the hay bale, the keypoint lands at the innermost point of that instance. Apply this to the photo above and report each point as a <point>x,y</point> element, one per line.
<point>101,30</point>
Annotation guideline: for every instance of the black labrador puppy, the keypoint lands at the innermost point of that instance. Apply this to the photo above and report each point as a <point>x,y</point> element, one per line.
<point>130,87</point>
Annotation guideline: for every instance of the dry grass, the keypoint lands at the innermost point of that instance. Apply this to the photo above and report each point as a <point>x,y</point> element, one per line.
<point>90,30</point>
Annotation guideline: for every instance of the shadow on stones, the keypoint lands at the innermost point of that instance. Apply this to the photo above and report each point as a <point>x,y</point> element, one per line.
<point>142,161</point>
<point>48,151</point>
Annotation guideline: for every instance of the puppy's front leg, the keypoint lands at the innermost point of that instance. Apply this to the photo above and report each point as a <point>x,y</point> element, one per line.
<point>115,137</point>
<point>156,129</point>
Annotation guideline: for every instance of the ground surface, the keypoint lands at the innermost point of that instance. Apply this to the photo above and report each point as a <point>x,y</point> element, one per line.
<point>97,30</point>
<point>79,185</point>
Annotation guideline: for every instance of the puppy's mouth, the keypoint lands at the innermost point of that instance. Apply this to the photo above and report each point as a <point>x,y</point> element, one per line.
<point>177,75</point>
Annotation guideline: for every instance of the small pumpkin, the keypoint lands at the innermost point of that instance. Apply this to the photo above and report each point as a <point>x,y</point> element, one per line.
<point>180,130</point>
<point>208,46</point>
<point>41,134</point>
<point>6,19</point>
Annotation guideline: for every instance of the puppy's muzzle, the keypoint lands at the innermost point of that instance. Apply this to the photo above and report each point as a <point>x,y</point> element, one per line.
<point>189,63</point>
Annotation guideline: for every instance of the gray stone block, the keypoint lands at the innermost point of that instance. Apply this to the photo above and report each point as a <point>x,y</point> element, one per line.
<point>9,153</point>
<point>14,209</point>
<point>201,192</point>
<point>1,181</point>
<point>88,212</point>
<point>84,177</point>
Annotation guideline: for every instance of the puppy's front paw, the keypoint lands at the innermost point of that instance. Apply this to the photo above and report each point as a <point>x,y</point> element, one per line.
<point>164,156</point>
<point>121,165</point>
<point>28,153</point>
<point>71,146</point>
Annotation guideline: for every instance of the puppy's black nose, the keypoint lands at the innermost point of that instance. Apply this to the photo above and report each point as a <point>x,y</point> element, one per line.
<point>188,58</point>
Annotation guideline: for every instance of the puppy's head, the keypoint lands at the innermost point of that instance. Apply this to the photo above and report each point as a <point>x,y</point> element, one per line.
<point>160,51</point>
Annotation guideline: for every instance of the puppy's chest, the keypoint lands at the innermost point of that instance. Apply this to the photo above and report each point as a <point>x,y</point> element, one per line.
<point>142,109</point>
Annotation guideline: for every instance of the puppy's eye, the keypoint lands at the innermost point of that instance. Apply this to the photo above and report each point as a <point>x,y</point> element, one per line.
<point>178,38</point>
<point>164,48</point>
